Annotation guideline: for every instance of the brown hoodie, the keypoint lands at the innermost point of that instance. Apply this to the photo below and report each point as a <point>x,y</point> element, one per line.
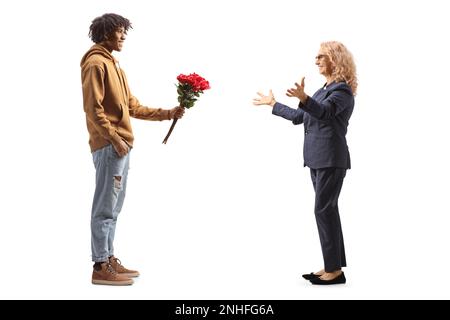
<point>108,102</point>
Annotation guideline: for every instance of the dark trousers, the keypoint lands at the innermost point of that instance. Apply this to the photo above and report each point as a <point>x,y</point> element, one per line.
<point>327,184</point>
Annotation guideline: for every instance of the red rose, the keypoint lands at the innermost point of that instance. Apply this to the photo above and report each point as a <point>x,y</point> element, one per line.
<point>197,82</point>
<point>189,89</point>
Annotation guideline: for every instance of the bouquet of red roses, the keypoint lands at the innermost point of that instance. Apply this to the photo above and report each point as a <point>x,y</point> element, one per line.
<point>189,88</point>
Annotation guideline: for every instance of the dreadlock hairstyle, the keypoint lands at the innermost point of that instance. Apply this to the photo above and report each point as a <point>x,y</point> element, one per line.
<point>106,24</point>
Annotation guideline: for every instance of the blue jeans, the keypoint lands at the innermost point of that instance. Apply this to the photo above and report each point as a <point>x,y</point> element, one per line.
<point>111,174</point>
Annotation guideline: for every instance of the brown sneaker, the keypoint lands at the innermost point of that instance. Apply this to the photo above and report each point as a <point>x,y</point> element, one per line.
<point>120,269</point>
<point>107,275</point>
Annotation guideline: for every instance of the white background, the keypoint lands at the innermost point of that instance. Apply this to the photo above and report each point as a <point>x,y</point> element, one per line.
<point>225,209</point>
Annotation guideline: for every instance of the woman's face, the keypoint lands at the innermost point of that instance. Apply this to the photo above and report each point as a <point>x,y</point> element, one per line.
<point>324,64</point>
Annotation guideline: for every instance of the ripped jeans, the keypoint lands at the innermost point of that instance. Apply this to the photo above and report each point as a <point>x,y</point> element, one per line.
<point>111,174</point>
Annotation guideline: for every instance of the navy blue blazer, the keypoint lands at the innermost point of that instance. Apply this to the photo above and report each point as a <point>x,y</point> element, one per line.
<point>325,117</point>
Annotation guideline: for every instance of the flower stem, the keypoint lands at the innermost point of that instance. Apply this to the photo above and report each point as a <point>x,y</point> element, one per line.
<point>170,130</point>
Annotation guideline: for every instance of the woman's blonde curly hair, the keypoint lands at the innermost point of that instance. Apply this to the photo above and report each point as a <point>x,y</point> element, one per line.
<point>344,68</point>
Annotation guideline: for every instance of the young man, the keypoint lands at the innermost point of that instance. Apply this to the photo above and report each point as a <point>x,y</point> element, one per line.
<point>109,104</point>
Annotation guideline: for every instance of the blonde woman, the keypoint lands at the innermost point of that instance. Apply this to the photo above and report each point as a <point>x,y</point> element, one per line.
<point>325,117</point>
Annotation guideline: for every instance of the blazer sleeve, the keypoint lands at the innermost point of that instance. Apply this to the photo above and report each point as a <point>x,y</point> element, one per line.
<point>295,115</point>
<point>329,108</point>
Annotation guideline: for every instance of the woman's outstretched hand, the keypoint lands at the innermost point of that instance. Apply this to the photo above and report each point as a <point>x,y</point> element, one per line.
<point>298,91</point>
<point>264,100</point>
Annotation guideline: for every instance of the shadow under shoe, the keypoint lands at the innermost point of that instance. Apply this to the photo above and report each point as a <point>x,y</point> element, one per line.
<point>120,269</point>
<point>338,280</point>
<point>106,275</point>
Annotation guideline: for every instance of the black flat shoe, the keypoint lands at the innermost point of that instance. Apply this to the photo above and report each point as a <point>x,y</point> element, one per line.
<point>338,280</point>
<point>310,276</point>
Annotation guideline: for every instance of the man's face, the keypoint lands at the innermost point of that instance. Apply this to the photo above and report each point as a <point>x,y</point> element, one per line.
<point>115,39</point>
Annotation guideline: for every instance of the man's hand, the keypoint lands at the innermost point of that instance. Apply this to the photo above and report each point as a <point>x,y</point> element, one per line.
<point>176,113</point>
<point>121,148</point>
